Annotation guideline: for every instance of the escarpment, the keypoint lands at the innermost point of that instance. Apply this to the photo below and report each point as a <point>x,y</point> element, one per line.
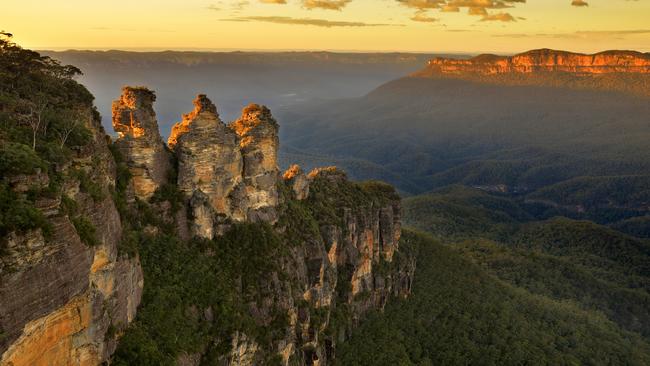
<point>548,61</point>
<point>331,253</point>
<point>235,262</point>
<point>65,290</point>
<point>619,71</point>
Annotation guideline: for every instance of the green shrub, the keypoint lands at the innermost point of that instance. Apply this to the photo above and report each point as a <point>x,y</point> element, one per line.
<point>17,158</point>
<point>68,205</point>
<point>86,230</point>
<point>169,192</point>
<point>87,185</point>
<point>18,214</point>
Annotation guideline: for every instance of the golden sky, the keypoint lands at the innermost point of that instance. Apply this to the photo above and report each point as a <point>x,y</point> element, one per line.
<point>505,26</point>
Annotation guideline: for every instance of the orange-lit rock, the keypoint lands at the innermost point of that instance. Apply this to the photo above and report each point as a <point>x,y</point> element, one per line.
<point>298,181</point>
<point>546,60</point>
<point>227,172</point>
<point>139,139</point>
<point>49,340</point>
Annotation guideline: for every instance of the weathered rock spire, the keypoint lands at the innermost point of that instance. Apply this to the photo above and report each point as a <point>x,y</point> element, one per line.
<point>298,181</point>
<point>227,172</point>
<point>139,139</point>
<point>201,104</point>
<point>259,142</point>
<point>209,166</point>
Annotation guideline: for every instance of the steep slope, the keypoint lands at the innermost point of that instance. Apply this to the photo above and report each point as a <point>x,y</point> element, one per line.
<point>288,294</point>
<point>561,259</point>
<point>63,285</point>
<point>459,314</point>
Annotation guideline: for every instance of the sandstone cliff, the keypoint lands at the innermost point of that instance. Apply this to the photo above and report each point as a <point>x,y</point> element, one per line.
<point>546,60</point>
<point>619,71</point>
<point>335,254</point>
<point>297,180</point>
<point>139,139</point>
<point>338,272</point>
<point>282,294</point>
<point>65,293</point>
<point>209,166</point>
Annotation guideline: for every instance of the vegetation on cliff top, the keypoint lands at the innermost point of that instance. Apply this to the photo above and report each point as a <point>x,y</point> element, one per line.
<point>44,115</point>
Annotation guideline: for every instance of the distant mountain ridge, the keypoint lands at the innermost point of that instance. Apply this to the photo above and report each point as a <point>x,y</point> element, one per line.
<point>614,71</point>
<point>545,60</point>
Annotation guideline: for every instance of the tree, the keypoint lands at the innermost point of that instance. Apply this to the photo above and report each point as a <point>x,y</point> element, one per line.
<point>72,120</point>
<point>35,117</point>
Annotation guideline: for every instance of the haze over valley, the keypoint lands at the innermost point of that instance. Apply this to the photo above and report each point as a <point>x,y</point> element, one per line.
<point>477,193</point>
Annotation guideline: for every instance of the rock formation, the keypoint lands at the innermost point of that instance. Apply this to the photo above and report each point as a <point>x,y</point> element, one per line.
<point>338,267</point>
<point>61,300</point>
<point>259,142</point>
<point>209,162</point>
<point>332,251</point>
<point>546,60</point>
<point>298,181</point>
<point>228,172</point>
<point>139,140</point>
<point>627,72</point>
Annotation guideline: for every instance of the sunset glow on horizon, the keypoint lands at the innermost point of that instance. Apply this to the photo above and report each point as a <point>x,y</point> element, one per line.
<point>506,26</point>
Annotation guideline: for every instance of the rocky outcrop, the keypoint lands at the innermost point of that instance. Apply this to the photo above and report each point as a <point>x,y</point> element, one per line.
<point>332,277</point>
<point>62,300</point>
<point>139,140</point>
<point>229,173</point>
<point>546,60</point>
<point>258,139</point>
<point>331,246</point>
<point>209,167</point>
<point>297,180</point>
<point>624,72</point>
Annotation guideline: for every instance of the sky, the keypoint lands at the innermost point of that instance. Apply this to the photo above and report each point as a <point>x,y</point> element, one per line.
<point>473,26</point>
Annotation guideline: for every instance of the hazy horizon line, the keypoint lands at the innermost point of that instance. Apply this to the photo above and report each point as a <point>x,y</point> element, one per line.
<point>302,50</point>
<point>233,50</point>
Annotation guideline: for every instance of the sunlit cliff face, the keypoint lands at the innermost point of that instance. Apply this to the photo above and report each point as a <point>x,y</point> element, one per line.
<point>129,112</point>
<point>546,61</point>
